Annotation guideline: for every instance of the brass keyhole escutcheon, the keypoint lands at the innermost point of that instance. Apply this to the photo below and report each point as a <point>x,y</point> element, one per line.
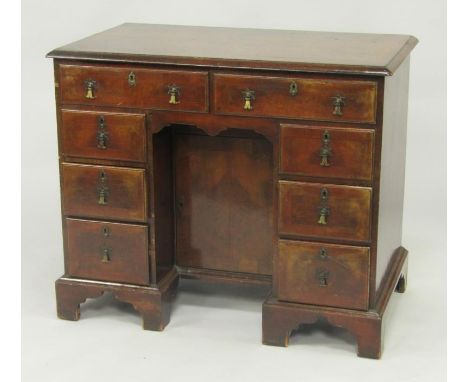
<point>323,253</point>
<point>249,96</point>
<point>293,90</point>
<point>132,79</point>
<point>102,176</point>
<point>324,193</point>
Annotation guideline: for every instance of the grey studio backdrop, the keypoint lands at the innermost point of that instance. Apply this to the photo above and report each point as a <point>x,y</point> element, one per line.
<point>216,334</point>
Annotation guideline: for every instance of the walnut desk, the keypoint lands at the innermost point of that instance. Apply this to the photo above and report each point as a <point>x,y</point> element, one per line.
<point>235,155</point>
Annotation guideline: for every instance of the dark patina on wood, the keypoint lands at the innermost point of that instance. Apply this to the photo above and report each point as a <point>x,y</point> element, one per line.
<point>275,160</point>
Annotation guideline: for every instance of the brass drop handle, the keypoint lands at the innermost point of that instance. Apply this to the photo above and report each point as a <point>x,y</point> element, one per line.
<point>103,190</point>
<point>338,104</point>
<point>324,210</point>
<point>322,276</point>
<point>174,94</point>
<point>90,89</point>
<point>102,135</point>
<point>105,255</point>
<point>249,96</point>
<point>325,150</point>
<point>102,196</point>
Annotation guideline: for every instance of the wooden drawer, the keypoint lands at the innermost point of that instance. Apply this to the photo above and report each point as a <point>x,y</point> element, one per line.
<point>323,274</point>
<point>347,211</point>
<point>103,135</point>
<point>331,152</point>
<point>115,193</point>
<point>111,86</point>
<point>107,251</point>
<point>314,99</point>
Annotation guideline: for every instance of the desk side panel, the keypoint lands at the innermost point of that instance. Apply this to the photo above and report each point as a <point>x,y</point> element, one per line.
<point>392,178</point>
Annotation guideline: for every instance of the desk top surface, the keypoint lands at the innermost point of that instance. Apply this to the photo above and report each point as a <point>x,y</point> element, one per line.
<point>264,49</point>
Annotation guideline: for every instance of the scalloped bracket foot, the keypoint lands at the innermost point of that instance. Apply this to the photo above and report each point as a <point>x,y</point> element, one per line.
<point>281,318</point>
<point>153,304</point>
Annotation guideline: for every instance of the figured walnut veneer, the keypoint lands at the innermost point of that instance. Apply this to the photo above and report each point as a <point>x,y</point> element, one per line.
<point>235,155</point>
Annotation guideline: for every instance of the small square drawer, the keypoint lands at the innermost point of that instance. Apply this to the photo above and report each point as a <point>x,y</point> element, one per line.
<point>324,274</point>
<point>325,211</point>
<point>296,97</point>
<point>107,251</point>
<point>327,152</point>
<point>115,193</point>
<point>104,135</point>
<point>134,87</point>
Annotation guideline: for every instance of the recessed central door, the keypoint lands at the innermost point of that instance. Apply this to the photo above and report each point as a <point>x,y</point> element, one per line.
<point>224,202</point>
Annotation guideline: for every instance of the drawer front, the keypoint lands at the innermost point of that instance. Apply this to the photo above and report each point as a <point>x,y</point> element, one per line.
<point>102,135</point>
<point>325,211</point>
<point>107,251</point>
<point>300,98</point>
<point>323,274</point>
<point>134,87</point>
<point>104,192</point>
<point>342,153</point>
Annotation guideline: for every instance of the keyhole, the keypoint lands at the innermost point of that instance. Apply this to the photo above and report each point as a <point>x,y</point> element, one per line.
<point>293,88</point>
<point>105,231</point>
<point>324,193</point>
<point>323,253</point>
<point>132,79</point>
<point>180,203</point>
<point>103,176</point>
<point>326,136</point>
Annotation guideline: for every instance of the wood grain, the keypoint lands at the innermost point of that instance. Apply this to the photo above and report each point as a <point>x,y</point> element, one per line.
<point>126,245</point>
<point>351,152</point>
<point>314,99</point>
<point>347,268</point>
<point>349,216</point>
<point>331,52</point>
<point>224,202</point>
<point>205,189</point>
<point>126,198</point>
<point>150,91</point>
<point>125,135</point>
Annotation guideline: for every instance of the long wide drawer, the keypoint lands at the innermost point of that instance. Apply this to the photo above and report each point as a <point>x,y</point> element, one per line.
<point>325,211</point>
<point>115,193</point>
<point>323,274</point>
<point>296,97</point>
<point>107,251</point>
<point>104,135</point>
<point>331,152</point>
<point>134,87</point>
